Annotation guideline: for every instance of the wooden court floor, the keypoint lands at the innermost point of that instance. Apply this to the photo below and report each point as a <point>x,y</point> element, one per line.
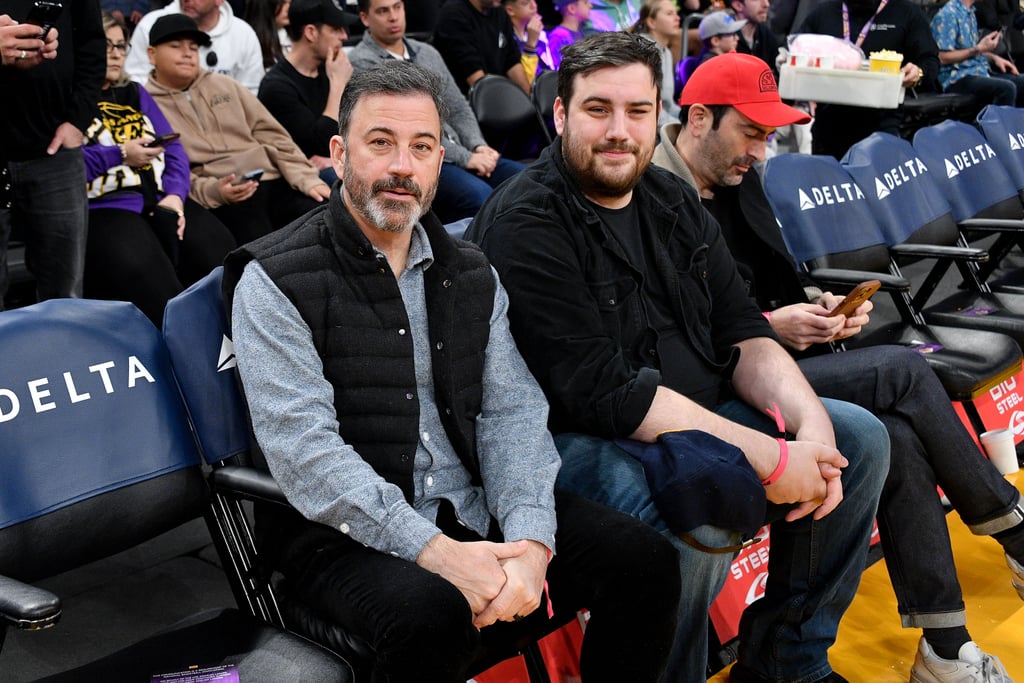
<point>872,647</point>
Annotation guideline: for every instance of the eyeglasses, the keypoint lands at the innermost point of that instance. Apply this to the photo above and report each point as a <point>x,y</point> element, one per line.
<point>122,47</point>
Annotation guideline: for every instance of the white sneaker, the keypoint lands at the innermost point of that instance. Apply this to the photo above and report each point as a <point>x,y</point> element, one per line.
<point>1017,578</point>
<point>971,666</point>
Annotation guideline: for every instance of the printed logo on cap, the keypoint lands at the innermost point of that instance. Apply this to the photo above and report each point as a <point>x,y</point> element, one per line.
<point>767,82</point>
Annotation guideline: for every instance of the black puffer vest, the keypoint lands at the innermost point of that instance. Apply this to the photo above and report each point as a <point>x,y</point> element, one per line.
<point>350,300</point>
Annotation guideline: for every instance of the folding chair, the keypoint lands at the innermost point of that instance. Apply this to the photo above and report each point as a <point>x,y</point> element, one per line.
<point>830,229</point>
<point>98,456</point>
<point>907,200</point>
<point>198,338</point>
<point>507,117</point>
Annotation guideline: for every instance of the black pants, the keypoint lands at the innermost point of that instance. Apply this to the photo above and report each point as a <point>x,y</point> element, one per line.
<point>274,205</point>
<point>124,259</point>
<point>420,625</point>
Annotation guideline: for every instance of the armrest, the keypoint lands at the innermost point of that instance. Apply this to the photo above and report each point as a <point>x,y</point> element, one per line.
<point>992,224</point>
<point>940,251</point>
<point>841,276</point>
<point>27,607</point>
<point>247,482</point>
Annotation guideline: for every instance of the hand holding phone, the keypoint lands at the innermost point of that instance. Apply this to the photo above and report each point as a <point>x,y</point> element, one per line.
<point>254,174</point>
<point>161,140</point>
<point>855,298</point>
<point>44,13</point>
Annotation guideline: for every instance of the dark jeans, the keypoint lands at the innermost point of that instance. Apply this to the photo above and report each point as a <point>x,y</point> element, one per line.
<point>929,447</point>
<point>50,209</point>
<point>420,626</point>
<point>274,205</point>
<point>461,193</point>
<point>814,566</point>
<point>996,88</point>
<point>126,262</point>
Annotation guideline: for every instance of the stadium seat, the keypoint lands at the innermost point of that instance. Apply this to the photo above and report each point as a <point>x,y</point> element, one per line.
<point>829,229</point>
<point>507,117</point>
<point>98,456</point>
<point>976,183</point>
<point>198,338</point>
<point>543,95</point>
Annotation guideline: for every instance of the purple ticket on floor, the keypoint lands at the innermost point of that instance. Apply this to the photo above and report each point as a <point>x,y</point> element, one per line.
<point>978,310</point>
<point>926,348</point>
<point>219,674</point>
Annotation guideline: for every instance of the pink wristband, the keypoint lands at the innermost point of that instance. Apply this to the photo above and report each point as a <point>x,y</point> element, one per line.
<point>783,446</point>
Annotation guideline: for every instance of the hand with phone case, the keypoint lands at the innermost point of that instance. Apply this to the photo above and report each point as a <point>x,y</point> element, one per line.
<point>800,326</point>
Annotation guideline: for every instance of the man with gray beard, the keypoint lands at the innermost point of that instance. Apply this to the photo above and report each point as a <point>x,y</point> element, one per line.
<point>391,405</point>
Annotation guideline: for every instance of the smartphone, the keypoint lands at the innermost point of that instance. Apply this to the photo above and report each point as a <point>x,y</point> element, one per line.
<point>162,140</point>
<point>254,174</point>
<point>44,13</point>
<point>859,295</point>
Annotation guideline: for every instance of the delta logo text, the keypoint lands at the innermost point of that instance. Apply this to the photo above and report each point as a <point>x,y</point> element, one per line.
<point>897,175</point>
<point>47,393</point>
<point>972,156</point>
<point>827,195</point>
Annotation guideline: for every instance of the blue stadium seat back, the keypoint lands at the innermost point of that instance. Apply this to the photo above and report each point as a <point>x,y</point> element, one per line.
<point>820,208</point>
<point>198,337</point>
<point>899,186</point>
<point>88,405</point>
<point>1003,127</point>
<point>966,168</point>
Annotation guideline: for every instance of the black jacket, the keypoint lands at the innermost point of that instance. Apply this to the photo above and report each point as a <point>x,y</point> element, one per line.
<point>577,307</point>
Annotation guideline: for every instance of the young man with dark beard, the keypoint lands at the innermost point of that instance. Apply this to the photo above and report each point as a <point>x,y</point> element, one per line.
<point>628,308</point>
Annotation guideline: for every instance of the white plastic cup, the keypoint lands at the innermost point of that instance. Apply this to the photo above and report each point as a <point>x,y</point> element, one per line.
<point>999,446</point>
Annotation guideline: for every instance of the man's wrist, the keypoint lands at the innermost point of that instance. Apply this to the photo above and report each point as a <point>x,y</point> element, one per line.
<point>973,52</point>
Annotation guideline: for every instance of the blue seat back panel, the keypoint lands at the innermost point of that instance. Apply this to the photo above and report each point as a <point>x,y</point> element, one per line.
<point>88,404</point>
<point>900,187</point>
<point>965,167</point>
<point>199,340</point>
<point>1004,129</point>
<point>820,208</point>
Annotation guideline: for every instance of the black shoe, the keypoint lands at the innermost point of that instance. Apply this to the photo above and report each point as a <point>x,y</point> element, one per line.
<point>741,674</point>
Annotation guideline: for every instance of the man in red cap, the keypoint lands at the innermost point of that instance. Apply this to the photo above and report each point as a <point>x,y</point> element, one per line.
<point>627,307</point>
<point>730,106</point>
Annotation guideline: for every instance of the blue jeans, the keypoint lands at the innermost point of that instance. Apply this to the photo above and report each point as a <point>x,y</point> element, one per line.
<point>929,446</point>
<point>814,566</point>
<point>51,210</point>
<point>996,88</point>
<point>461,193</point>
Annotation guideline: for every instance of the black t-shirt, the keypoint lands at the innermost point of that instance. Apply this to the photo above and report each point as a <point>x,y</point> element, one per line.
<point>298,102</point>
<point>471,41</point>
<point>673,356</point>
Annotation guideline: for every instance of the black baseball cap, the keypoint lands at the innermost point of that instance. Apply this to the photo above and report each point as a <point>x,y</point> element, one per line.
<point>302,12</point>
<point>173,26</point>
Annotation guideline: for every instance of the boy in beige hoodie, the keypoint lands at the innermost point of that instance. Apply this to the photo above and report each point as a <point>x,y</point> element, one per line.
<point>228,134</point>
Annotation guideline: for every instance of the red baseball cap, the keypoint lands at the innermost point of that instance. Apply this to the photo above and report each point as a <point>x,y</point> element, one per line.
<point>742,81</point>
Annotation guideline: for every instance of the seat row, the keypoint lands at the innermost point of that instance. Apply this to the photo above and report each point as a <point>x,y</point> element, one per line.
<point>890,203</point>
<point>114,433</point>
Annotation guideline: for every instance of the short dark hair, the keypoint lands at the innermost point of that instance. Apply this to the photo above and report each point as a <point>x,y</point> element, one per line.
<point>717,112</point>
<point>390,77</point>
<point>603,50</point>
